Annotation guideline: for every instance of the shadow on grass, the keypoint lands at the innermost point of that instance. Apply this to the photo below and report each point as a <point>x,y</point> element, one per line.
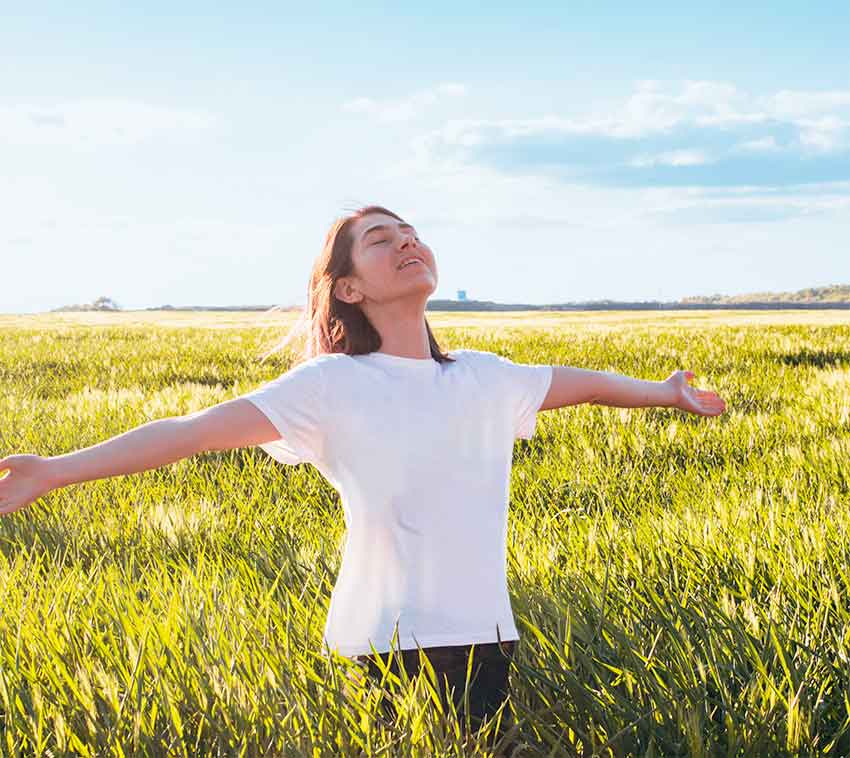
<point>816,358</point>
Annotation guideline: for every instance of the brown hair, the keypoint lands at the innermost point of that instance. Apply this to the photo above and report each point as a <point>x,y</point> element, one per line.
<point>332,325</point>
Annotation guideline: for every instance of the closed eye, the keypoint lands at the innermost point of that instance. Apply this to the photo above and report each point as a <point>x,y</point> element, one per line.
<point>380,242</point>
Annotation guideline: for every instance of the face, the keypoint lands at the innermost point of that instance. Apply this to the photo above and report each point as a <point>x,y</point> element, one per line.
<point>381,244</point>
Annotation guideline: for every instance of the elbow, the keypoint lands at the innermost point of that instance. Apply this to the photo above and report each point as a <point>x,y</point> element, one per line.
<point>191,435</point>
<point>602,389</point>
<point>594,397</point>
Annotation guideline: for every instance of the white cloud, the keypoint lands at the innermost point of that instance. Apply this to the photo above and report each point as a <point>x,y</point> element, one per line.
<point>742,163</point>
<point>407,108</point>
<point>673,158</point>
<point>793,104</point>
<point>827,134</point>
<point>699,134</point>
<point>95,122</point>
<point>652,111</point>
<point>766,144</point>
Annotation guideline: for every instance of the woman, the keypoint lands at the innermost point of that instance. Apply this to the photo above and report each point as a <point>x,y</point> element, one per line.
<point>417,442</point>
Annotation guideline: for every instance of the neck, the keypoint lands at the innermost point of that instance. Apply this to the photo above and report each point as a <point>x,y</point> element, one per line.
<point>401,325</point>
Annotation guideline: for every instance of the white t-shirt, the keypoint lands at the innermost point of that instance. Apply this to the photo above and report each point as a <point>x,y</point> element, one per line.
<point>420,453</point>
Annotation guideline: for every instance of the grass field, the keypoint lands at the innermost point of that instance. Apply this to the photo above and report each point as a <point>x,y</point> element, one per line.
<point>681,584</point>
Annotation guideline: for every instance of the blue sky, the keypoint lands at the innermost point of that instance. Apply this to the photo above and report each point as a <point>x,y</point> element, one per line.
<point>549,153</point>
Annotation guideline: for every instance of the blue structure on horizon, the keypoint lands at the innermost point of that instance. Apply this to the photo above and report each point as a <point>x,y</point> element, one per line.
<point>461,294</point>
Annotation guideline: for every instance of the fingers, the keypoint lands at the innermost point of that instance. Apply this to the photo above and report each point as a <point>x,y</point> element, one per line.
<point>712,407</point>
<point>713,400</point>
<point>707,403</point>
<point>702,402</point>
<point>704,395</point>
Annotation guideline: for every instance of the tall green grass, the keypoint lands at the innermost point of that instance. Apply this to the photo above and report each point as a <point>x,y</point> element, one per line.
<point>681,584</point>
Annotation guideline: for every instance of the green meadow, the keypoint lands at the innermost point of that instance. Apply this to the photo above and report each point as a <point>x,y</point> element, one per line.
<point>681,584</point>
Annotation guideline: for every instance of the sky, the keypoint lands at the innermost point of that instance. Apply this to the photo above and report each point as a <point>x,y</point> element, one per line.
<point>545,152</point>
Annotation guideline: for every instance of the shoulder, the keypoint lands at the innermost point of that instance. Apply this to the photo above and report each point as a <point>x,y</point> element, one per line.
<point>310,371</point>
<point>468,355</point>
<point>328,360</point>
<point>481,364</point>
<point>319,364</point>
<point>476,358</point>
<point>500,367</point>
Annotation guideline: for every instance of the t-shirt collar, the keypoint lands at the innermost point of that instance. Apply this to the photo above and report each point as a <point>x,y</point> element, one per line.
<point>416,364</point>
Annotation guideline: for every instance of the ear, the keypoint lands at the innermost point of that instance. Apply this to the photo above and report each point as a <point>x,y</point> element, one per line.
<point>345,292</point>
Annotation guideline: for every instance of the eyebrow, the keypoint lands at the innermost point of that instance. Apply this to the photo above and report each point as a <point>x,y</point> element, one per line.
<point>383,226</point>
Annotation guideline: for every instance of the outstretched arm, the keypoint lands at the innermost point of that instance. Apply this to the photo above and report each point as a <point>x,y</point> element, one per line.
<point>234,423</point>
<point>573,386</point>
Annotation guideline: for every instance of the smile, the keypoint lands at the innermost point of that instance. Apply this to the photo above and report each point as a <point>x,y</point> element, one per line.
<point>408,261</point>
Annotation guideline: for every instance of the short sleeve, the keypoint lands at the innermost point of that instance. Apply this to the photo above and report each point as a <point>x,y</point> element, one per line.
<point>295,404</point>
<point>523,385</point>
<point>527,385</point>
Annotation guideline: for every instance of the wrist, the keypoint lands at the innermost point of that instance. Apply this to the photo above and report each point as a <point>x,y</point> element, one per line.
<point>56,473</point>
<point>670,395</point>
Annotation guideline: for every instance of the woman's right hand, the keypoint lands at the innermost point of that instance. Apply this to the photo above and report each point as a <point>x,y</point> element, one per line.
<point>28,478</point>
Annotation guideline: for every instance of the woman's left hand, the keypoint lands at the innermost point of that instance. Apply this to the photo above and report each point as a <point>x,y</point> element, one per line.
<point>691,399</point>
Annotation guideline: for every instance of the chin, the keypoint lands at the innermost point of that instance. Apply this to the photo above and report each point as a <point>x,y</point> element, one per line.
<point>423,288</point>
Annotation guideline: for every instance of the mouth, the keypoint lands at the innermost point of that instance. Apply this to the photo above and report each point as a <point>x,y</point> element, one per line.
<point>409,262</point>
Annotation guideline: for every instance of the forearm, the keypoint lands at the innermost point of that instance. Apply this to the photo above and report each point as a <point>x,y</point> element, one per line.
<point>149,446</point>
<point>626,392</point>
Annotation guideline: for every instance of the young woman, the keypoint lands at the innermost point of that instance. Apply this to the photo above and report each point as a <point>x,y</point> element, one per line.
<point>417,442</point>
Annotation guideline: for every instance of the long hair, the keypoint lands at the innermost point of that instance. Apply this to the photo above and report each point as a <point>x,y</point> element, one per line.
<point>331,325</point>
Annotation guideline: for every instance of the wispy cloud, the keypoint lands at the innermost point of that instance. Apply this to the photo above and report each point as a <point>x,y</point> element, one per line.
<point>765,144</point>
<point>407,108</point>
<point>672,158</point>
<point>704,134</point>
<point>95,122</point>
<point>738,210</point>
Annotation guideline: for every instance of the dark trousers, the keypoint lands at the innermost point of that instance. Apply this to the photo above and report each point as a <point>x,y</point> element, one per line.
<point>488,678</point>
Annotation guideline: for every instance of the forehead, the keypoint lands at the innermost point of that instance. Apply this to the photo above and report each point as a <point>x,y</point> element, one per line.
<point>362,225</point>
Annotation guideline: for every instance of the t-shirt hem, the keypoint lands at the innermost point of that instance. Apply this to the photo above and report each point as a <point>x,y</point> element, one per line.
<point>429,640</point>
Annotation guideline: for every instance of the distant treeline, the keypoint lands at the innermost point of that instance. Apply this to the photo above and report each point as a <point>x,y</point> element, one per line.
<point>833,296</point>
<point>486,305</point>
<point>835,293</point>
<point>615,305</point>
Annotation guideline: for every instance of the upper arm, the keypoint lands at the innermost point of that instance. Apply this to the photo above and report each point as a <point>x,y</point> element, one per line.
<point>573,386</point>
<point>234,423</point>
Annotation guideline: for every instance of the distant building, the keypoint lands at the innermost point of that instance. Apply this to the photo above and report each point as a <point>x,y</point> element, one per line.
<point>461,294</point>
